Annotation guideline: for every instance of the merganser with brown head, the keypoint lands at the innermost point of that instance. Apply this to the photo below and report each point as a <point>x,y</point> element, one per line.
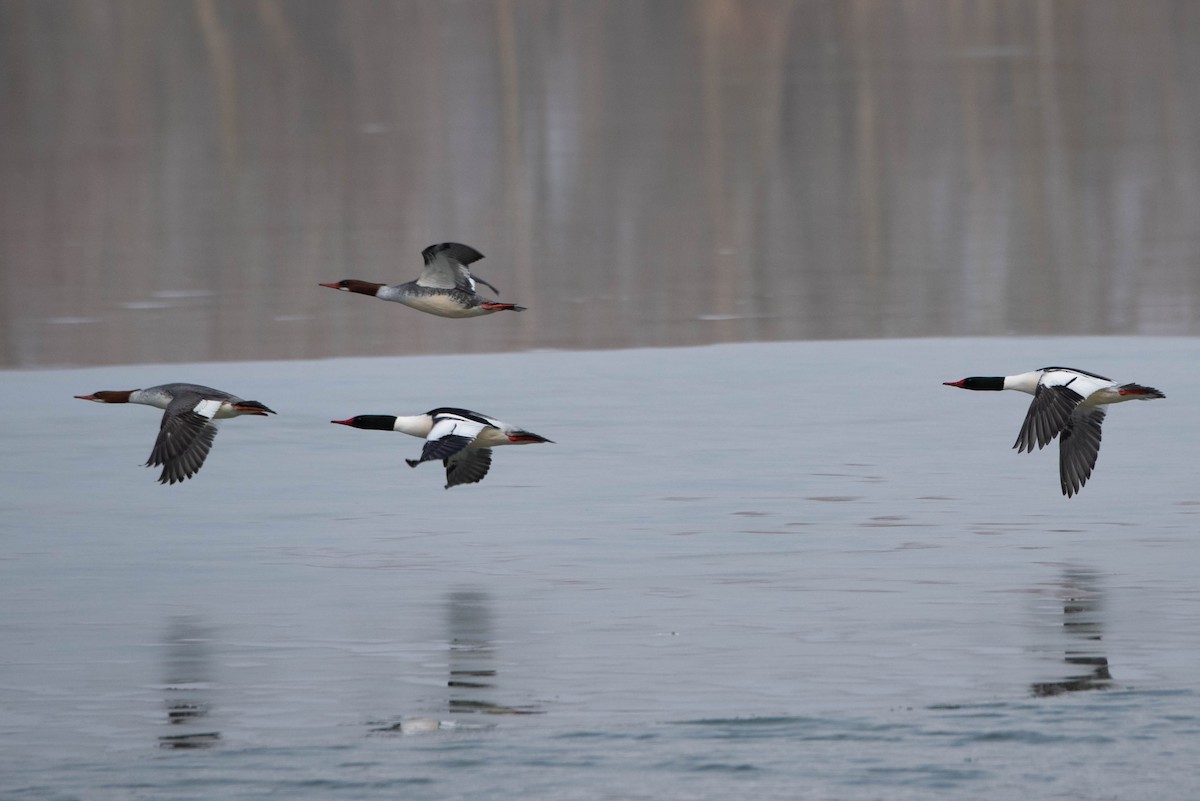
<point>189,422</point>
<point>445,287</point>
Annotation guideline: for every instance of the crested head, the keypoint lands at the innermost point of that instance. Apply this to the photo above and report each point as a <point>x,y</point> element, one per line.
<point>978,382</point>
<point>109,396</point>
<point>373,422</point>
<point>354,285</point>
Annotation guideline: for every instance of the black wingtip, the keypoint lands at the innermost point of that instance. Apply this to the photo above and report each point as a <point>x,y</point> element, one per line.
<point>413,462</point>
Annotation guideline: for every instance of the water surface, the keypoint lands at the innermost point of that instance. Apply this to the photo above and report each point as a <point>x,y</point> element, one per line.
<point>780,570</point>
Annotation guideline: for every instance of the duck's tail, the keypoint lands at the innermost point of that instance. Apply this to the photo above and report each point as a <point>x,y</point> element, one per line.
<point>1142,393</point>
<point>526,436</point>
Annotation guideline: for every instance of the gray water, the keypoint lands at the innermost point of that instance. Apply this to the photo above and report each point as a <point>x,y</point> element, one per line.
<point>757,570</point>
<point>792,570</point>
<point>176,178</point>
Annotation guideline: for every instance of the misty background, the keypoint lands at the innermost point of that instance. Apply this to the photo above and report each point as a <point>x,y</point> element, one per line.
<point>177,177</point>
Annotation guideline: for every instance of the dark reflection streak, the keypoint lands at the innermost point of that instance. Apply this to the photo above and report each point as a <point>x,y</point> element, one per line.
<point>472,675</point>
<point>472,655</point>
<point>187,683</point>
<point>1083,629</point>
<point>469,632</point>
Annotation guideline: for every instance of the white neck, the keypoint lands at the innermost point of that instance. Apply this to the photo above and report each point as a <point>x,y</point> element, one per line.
<point>1025,382</point>
<point>417,425</point>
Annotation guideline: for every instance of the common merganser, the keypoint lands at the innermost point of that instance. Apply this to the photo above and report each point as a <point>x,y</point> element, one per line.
<point>1066,404</point>
<point>463,440</point>
<point>445,287</point>
<point>189,422</point>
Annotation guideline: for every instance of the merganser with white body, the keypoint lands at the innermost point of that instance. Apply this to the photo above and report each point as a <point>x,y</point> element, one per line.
<point>463,440</point>
<point>445,288</point>
<point>1067,404</point>
<point>189,422</point>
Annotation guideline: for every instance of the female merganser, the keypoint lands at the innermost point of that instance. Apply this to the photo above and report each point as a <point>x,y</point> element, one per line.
<point>445,288</point>
<point>1066,402</point>
<point>463,440</point>
<point>189,423</point>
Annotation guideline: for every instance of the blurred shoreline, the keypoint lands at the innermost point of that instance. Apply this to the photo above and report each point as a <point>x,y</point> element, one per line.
<point>177,178</point>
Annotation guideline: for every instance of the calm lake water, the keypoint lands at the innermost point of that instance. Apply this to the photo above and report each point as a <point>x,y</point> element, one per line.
<point>792,570</point>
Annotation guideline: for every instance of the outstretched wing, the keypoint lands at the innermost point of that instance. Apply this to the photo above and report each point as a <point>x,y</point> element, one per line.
<point>468,466</point>
<point>1078,447</point>
<point>446,267</point>
<point>184,438</point>
<point>1048,414</point>
<point>447,437</point>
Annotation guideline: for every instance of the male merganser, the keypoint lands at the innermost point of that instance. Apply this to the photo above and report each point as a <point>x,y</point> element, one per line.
<point>445,288</point>
<point>1069,403</point>
<point>463,440</point>
<point>189,423</point>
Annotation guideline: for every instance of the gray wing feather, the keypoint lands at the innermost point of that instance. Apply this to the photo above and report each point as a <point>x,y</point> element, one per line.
<point>184,440</point>
<point>468,466</point>
<point>441,448</point>
<point>1047,415</point>
<point>479,280</point>
<point>446,267</point>
<point>1078,447</point>
<point>463,254</point>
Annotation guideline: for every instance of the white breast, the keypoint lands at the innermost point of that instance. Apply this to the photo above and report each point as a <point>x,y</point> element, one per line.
<point>442,306</point>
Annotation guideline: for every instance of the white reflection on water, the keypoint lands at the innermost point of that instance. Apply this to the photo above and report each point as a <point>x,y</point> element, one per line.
<point>744,567</point>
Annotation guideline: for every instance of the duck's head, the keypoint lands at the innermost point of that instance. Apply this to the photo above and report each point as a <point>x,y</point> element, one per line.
<point>354,285</point>
<point>109,396</point>
<point>374,422</point>
<point>978,382</point>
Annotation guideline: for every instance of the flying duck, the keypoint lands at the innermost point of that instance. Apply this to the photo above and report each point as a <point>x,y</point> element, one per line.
<point>189,422</point>
<point>445,288</point>
<point>462,439</point>
<point>1068,404</point>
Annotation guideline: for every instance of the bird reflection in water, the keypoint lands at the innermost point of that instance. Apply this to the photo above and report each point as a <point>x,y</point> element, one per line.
<point>472,656</point>
<point>472,680</point>
<point>187,687</point>
<point>1082,627</point>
